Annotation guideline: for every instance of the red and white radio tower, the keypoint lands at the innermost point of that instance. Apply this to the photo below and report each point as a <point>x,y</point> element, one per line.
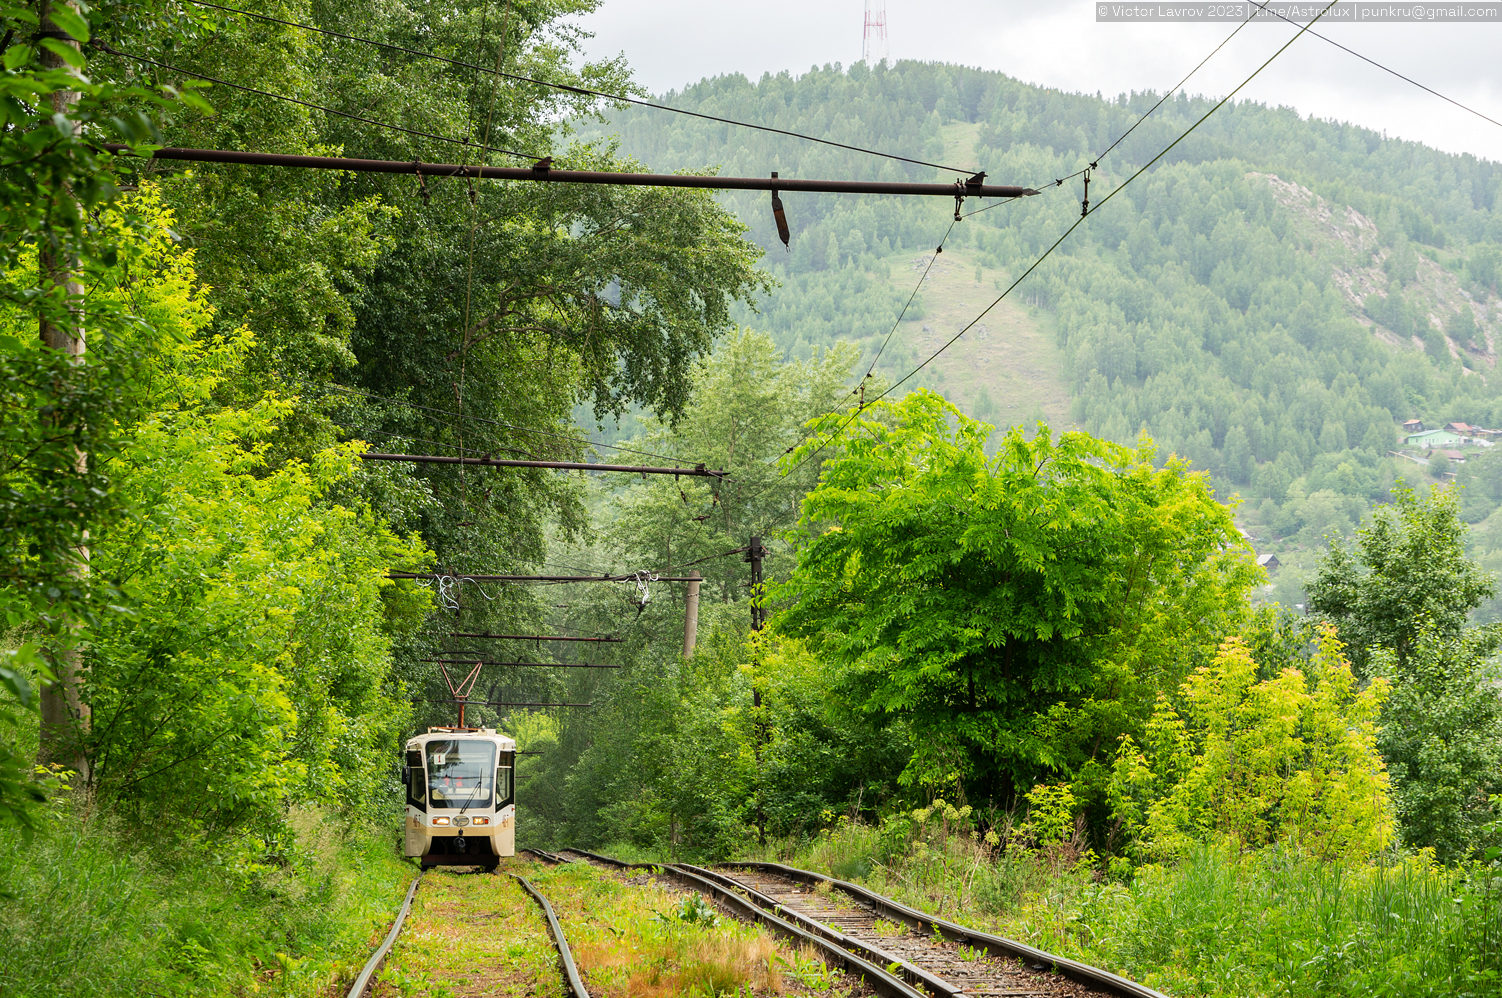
<point>874,40</point>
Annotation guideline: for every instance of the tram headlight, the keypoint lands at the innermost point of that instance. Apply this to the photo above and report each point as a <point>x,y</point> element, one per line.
<point>440,821</point>
<point>481,821</point>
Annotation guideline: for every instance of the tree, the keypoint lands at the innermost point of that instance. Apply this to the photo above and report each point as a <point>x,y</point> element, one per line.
<point>1019,612</point>
<point>1401,600</point>
<point>1291,757</point>
<point>59,410</point>
<point>1408,574</point>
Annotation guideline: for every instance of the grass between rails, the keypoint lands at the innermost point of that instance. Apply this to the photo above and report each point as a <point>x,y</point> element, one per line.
<point>88,910</point>
<point>1221,922</point>
<point>648,941</point>
<point>472,934</point>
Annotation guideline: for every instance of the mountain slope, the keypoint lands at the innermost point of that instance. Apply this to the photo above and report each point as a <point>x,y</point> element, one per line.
<point>1271,299</point>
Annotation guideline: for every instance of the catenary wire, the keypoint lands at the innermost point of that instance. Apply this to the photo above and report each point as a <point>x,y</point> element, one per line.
<point>1102,202</point>
<point>1048,252</point>
<point>501,423</point>
<point>1058,182</point>
<point>1388,69</point>
<point>582,91</point>
<point>316,107</point>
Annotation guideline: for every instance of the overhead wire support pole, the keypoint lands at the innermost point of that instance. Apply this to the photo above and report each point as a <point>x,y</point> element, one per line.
<point>697,471</point>
<point>970,187</point>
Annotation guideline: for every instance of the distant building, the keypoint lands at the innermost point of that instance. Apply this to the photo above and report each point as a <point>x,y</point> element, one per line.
<point>1269,562</point>
<point>1413,426</point>
<point>1433,438</point>
<point>1458,456</point>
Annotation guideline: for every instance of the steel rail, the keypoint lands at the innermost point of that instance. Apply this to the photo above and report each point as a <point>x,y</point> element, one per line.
<point>545,856</point>
<point>362,982</point>
<point>931,983</point>
<point>999,945</point>
<point>881,981</point>
<point>543,171</point>
<point>560,943</point>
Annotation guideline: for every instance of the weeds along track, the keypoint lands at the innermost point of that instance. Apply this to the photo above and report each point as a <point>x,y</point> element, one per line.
<point>451,919</point>
<point>899,950</point>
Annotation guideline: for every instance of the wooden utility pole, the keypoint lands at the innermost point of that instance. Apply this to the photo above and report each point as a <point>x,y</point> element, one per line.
<point>691,616</point>
<point>65,715</point>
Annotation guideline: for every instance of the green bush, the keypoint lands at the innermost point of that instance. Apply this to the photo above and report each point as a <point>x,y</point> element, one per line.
<point>93,911</point>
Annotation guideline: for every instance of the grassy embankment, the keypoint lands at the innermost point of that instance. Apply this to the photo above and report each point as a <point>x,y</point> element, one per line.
<point>89,910</point>
<point>1220,922</point>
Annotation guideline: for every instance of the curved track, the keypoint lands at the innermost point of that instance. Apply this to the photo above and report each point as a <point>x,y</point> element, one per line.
<point>899,950</point>
<point>570,972</point>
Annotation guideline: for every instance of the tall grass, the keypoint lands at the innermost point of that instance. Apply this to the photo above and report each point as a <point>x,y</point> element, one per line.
<point>89,910</point>
<point>1219,922</point>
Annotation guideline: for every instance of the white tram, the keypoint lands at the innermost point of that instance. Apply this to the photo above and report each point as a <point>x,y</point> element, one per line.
<point>461,807</point>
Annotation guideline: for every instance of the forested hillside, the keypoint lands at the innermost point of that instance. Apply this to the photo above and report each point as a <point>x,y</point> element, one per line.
<point>1270,300</point>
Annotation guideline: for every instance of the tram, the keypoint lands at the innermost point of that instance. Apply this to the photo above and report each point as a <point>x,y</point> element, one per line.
<point>461,804</point>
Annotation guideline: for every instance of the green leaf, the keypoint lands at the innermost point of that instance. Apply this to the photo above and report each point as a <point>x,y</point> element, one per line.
<point>69,20</point>
<point>67,53</point>
<point>17,56</point>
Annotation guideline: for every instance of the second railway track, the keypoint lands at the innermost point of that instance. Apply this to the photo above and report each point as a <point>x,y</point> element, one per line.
<point>899,950</point>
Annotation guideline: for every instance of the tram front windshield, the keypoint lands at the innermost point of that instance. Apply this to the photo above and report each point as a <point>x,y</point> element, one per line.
<point>461,773</point>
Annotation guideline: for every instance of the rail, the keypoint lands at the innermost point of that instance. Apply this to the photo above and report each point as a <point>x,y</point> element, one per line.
<point>374,963</point>
<point>999,945</point>
<point>566,963</point>
<point>560,943</point>
<point>889,973</point>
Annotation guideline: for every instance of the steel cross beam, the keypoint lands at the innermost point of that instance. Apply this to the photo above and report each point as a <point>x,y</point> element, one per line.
<point>543,578</point>
<point>477,662</point>
<point>697,471</point>
<point>543,171</point>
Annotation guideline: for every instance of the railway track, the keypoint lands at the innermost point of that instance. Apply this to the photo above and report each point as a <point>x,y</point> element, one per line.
<point>900,951</point>
<point>569,972</point>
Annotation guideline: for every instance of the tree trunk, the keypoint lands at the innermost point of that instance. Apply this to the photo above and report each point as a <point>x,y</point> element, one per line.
<point>65,715</point>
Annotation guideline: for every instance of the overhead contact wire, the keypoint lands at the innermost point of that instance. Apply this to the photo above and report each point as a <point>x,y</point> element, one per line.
<point>1067,232</point>
<point>1102,202</point>
<point>316,107</point>
<point>501,423</point>
<point>1389,70</point>
<point>1057,182</point>
<point>581,91</point>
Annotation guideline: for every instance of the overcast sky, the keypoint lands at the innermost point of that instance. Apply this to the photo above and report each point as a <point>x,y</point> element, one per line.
<point>671,43</point>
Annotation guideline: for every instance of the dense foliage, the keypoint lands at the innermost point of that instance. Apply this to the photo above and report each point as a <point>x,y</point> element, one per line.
<point>1402,599</point>
<point>1288,759</point>
<point>1018,611</point>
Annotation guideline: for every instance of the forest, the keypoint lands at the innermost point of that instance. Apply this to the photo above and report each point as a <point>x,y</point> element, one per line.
<point>1012,656</point>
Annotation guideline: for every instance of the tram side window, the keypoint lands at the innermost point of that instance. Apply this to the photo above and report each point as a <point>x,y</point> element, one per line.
<point>417,781</point>
<point>503,786</point>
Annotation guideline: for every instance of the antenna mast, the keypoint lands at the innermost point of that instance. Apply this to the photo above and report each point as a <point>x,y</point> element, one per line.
<point>874,38</point>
